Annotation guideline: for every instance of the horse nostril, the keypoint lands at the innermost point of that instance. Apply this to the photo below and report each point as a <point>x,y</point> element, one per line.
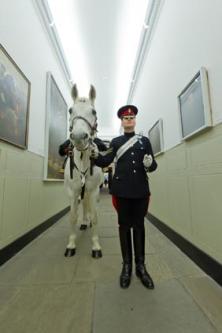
<point>85,136</point>
<point>71,136</point>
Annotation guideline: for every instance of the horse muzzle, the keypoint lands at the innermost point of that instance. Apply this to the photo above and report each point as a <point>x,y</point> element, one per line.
<point>80,141</point>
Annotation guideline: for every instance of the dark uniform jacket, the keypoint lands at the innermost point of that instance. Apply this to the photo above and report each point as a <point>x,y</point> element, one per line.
<point>130,179</point>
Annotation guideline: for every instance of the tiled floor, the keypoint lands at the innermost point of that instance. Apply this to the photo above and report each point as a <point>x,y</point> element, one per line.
<point>42,291</point>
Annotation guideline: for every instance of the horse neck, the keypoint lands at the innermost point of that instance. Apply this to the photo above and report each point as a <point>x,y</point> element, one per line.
<point>82,159</point>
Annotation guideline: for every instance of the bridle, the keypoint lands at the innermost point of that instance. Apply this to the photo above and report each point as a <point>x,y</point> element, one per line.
<point>93,128</point>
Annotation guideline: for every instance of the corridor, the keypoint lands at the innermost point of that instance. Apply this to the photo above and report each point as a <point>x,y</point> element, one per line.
<point>42,291</point>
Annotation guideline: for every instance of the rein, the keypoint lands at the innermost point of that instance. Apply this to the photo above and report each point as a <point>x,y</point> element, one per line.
<point>72,166</point>
<point>93,129</point>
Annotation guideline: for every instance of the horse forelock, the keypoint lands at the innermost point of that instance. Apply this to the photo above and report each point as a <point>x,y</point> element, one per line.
<point>83,99</point>
<point>82,104</point>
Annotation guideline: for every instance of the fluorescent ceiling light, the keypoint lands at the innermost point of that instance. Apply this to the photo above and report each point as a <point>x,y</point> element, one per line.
<point>130,26</point>
<point>146,26</point>
<point>133,17</point>
<point>63,13</point>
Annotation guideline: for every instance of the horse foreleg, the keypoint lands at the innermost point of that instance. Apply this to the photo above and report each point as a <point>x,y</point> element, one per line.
<point>85,218</point>
<point>71,246</point>
<point>96,247</point>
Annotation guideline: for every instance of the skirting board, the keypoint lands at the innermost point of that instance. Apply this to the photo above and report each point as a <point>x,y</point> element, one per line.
<point>10,250</point>
<point>208,264</point>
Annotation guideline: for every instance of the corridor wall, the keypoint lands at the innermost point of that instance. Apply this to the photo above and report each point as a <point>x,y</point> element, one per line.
<point>187,187</point>
<point>26,200</point>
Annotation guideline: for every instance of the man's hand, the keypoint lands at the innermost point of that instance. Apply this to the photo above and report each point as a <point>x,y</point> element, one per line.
<point>94,151</point>
<point>147,161</point>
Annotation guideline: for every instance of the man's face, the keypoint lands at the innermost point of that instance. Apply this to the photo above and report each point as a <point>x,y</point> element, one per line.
<point>128,122</point>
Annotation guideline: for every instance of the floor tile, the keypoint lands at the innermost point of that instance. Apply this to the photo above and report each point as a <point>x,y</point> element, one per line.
<point>60,309</point>
<point>38,269</point>
<point>166,309</point>
<point>208,294</point>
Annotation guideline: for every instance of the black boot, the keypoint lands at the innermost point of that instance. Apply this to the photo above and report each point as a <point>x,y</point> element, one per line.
<point>125,276</point>
<point>126,249</point>
<point>139,249</point>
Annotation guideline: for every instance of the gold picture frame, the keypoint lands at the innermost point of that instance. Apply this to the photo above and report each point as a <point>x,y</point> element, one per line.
<point>55,130</point>
<point>14,102</point>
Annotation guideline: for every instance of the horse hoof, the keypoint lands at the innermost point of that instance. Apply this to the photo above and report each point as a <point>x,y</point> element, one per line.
<point>70,252</point>
<point>97,254</point>
<point>83,227</point>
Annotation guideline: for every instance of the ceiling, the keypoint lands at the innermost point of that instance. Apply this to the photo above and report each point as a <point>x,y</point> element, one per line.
<point>100,40</point>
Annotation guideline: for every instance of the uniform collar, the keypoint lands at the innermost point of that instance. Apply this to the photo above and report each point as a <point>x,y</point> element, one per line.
<point>129,135</point>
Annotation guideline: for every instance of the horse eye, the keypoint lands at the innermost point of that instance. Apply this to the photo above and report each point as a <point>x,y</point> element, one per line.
<point>70,110</point>
<point>94,112</point>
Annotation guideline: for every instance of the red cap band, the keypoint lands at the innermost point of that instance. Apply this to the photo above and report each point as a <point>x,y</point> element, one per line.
<point>127,112</point>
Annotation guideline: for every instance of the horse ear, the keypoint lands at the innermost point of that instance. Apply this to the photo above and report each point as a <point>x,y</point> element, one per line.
<point>74,92</point>
<point>92,94</point>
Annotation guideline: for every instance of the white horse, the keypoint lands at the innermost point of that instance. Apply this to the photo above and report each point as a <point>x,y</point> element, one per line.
<point>82,180</point>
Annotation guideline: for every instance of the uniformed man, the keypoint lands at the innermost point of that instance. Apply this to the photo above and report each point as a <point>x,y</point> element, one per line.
<point>130,190</point>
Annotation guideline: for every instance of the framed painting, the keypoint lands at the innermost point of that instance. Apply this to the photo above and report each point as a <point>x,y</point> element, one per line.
<point>14,102</point>
<point>56,130</point>
<point>155,135</point>
<point>194,106</point>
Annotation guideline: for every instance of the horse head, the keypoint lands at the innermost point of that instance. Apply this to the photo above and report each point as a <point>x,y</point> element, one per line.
<point>83,119</point>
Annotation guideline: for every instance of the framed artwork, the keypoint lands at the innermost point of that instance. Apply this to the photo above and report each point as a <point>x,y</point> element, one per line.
<point>155,135</point>
<point>194,106</point>
<point>14,102</point>
<point>56,130</point>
